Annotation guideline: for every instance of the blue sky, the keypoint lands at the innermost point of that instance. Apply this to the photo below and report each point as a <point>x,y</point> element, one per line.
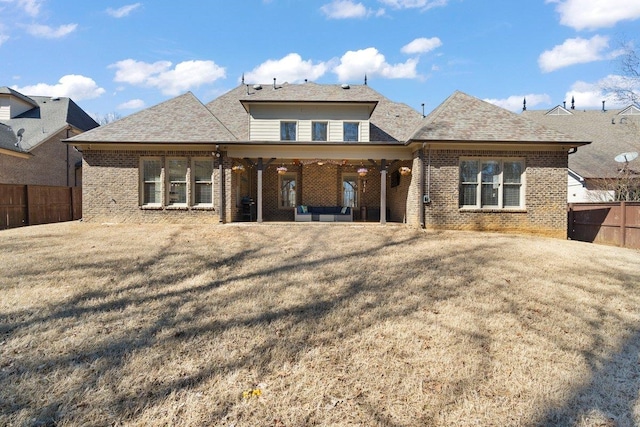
<point>123,56</point>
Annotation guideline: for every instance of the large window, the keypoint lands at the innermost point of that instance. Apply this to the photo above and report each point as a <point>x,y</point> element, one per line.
<point>287,193</point>
<point>351,131</point>
<point>288,131</point>
<point>492,183</point>
<point>202,173</point>
<point>176,182</point>
<point>350,190</point>
<point>152,182</point>
<point>319,131</point>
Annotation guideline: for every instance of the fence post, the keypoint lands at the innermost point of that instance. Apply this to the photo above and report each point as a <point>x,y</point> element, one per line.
<point>623,223</point>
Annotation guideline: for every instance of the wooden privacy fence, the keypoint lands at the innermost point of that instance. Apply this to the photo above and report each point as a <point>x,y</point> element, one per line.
<point>38,204</point>
<point>613,223</point>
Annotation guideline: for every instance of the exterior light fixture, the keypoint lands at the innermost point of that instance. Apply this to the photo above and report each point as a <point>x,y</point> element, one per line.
<point>404,170</point>
<point>281,170</point>
<point>363,171</point>
<point>238,168</point>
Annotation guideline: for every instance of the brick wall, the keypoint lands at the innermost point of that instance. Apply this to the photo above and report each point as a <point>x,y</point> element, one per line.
<point>110,189</point>
<point>47,165</point>
<point>545,199</point>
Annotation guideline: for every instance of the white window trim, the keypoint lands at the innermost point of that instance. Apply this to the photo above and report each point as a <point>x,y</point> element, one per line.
<point>328,132</point>
<point>142,182</point>
<point>193,183</point>
<point>500,206</point>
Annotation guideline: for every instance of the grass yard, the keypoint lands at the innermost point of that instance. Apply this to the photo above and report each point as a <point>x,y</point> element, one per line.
<point>314,324</point>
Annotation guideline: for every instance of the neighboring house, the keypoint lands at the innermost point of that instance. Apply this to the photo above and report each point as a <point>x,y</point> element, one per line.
<point>31,131</point>
<point>593,170</point>
<point>262,152</point>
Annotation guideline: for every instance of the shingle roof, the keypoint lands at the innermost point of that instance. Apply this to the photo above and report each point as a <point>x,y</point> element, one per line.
<point>611,135</point>
<point>8,138</point>
<point>4,90</point>
<point>50,116</point>
<point>462,117</point>
<point>390,121</point>
<point>183,119</point>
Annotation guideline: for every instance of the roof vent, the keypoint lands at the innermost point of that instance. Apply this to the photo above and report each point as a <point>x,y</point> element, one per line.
<point>345,86</point>
<point>55,98</point>
<point>257,87</point>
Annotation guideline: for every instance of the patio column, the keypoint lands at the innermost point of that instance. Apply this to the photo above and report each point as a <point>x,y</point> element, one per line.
<point>383,191</point>
<point>259,202</point>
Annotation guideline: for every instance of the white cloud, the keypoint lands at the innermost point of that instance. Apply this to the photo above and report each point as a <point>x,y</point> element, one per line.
<point>575,51</point>
<point>421,45</point>
<point>590,95</point>
<point>347,9</point>
<point>3,38</point>
<point>185,76</point>
<point>134,104</point>
<point>292,68</point>
<point>355,64</point>
<point>47,32</point>
<point>415,4</point>
<point>515,102</point>
<point>123,11</point>
<point>72,86</point>
<point>31,7</point>
<point>593,14</point>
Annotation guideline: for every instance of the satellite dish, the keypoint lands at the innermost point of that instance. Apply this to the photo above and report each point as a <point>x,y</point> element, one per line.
<point>626,157</point>
<point>20,132</point>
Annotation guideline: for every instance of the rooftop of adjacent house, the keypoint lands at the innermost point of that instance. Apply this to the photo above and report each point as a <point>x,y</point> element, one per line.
<point>613,132</point>
<point>48,117</point>
<point>462,117</point>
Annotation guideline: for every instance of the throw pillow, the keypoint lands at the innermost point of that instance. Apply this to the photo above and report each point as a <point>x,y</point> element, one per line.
<point>344,210</point>
<point>305,209</point>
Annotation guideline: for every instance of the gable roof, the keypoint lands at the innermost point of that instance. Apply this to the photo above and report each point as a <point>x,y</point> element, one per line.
<point>464,118</point>
<point>389,122</point>
<point>183,119</point>
<point>48,117</point>
<point>612,131</point>
<point>4,90</point>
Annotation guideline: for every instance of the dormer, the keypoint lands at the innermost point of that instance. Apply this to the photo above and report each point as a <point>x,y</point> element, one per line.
<point>631,110</point>
<point>13,103</point>
<point>558,111</point>
<point>308,113</point>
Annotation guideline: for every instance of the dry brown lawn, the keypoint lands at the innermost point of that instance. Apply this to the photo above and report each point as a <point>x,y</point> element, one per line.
<point>314,324</point>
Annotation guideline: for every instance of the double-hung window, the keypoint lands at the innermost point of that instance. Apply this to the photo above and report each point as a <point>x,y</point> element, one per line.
<point>288,131</point>
<point>350,131</point>
<point>492,183</point>
<point>202,173</point>
<point>319,131</point>
<point>151,182</point>
<point>177,182</point>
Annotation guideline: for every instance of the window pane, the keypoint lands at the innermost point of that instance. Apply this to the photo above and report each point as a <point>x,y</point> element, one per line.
<point>468,195</point>
<point>152,190</point>
<point>491,172</point>
<point>469,171</point>
<point>203,169</point>
<point>287,131</point>
<point>489,195</point>
<point>350,131</point>
<point>350,192</point>
<point>512,172</point>
<point>287,191</point>
<point>319,131</point>
<point>177,169</point>
<point>511,197</point>
<point>203,193</point>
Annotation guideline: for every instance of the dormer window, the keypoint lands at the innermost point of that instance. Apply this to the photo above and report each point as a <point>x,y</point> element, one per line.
<point>319,131</point>
<point>351,131</point>
<point>288,131</point>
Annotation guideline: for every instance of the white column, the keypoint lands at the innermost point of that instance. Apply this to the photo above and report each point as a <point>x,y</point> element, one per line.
<point>259,207</point>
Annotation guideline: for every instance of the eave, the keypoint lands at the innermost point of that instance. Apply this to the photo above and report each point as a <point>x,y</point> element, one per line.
<point>497,145</point>
<point>18,154</point>
<point>246,103</point>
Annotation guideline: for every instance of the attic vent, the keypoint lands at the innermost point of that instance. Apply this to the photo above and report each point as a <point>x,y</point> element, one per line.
<point>345,86</point>
<point>55,98</point>
<point>257,87</point>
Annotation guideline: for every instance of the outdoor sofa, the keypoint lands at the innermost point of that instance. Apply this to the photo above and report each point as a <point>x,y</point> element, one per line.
<point>323,213</point>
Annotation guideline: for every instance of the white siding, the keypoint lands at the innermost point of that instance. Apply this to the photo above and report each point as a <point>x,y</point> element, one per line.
<point>11,107</point>
<point>265,120</point>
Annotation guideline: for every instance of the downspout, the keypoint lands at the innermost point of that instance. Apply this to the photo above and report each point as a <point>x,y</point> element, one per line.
<point>218,155</point>
<point>68,129</point>
<point>421,187</point>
